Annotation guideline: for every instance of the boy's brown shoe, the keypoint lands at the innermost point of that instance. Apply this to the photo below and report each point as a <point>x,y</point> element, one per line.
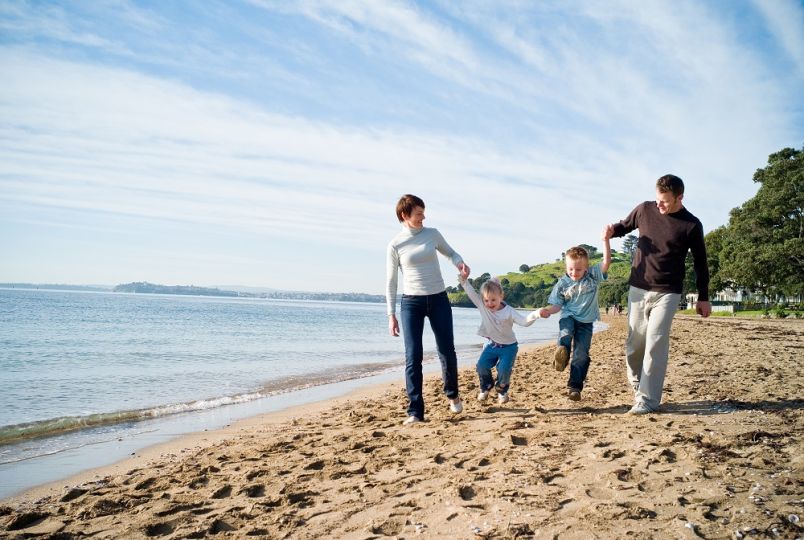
<point>561,358</point>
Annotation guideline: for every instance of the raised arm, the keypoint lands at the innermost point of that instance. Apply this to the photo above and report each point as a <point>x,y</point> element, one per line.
<point>470,291</point>
<point>604,266</point>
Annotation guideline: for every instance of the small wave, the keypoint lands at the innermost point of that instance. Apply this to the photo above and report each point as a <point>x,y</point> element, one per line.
<point>57,426</point>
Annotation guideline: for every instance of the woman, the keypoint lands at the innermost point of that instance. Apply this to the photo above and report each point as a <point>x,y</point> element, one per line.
<point>413,251</point>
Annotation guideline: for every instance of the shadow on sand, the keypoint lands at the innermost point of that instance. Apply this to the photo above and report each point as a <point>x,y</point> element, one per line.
<point>703,407</point>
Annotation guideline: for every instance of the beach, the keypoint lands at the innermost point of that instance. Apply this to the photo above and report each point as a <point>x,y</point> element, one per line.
<point>722,459</point>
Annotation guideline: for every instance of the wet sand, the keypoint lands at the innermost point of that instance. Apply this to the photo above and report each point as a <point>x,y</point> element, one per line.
<point>723,458</point>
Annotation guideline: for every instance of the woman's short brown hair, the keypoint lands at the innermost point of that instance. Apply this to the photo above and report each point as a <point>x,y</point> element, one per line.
<point>406,205</point>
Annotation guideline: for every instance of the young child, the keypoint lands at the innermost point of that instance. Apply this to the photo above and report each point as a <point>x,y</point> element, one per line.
<point>496,325</point>
<point>575,296</point>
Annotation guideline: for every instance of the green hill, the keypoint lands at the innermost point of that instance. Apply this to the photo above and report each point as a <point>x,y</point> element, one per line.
<point>532,288</point>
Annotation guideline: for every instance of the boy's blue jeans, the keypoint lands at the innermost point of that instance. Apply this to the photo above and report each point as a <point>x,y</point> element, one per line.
<point>577,337</point>
<point>502,357</point>
<point>413,311</point>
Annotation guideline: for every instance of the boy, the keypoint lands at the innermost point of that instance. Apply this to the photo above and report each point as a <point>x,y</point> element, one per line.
<point>575,296</point>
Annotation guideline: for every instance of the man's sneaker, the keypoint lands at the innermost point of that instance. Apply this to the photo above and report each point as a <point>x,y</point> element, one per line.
<point>411,420</point>
<point>574,394</point>
<point>502,398</point>
<point>456,405</point>
<point>640,408</point>
<point>482,395</point>
<point>561,358</point>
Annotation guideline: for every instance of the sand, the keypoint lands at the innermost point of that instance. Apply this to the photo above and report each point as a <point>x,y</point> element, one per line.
<point>723,458</point>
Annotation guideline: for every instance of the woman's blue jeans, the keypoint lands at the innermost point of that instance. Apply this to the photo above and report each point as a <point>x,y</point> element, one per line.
<point>501,356</point>
<point>413,311</point>
<point>577,337</point>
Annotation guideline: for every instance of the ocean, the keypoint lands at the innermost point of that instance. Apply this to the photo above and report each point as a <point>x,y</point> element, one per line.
<point>88,377</point>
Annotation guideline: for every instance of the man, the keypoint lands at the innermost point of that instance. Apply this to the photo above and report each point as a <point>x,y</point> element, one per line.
<point>667,231</point>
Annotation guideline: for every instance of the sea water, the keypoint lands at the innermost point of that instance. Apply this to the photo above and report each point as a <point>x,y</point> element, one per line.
<point>80,369</point>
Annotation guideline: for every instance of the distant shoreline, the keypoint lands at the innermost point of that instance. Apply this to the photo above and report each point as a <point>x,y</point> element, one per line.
<point>145,287</point>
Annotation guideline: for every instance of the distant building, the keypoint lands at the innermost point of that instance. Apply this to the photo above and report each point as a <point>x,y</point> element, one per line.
<point>726,299</point>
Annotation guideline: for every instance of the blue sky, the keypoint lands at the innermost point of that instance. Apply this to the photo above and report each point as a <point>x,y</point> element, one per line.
<point>265,143</point>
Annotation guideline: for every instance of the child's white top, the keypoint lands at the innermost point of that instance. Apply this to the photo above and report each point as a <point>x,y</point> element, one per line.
<point>498,326</point>
<point>414,252</point>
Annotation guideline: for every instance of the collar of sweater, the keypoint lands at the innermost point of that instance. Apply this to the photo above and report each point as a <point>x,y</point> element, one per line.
<point>411,230</point>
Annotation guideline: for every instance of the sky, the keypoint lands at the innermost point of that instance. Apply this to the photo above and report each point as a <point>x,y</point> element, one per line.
<point>265,143</point>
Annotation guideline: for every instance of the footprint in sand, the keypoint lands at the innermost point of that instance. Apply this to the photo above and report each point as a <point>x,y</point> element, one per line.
<point>222,492</point>
<point>73,494</point>
<point>598,493</point>
<point>613,454</point>
<point>518,441</point>
<point>623,475</point>
<point>25,520</point>
<point>254,490</point>
<point>158,529</point>
<point>315,465</point>
<point>218,526</point>
<point>391,527</point>
<point>467,493</point>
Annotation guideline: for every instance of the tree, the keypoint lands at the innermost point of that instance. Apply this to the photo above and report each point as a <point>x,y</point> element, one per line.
<point>714,245</point>
<point>613,291</point>
<point>524,268</point>
<point>763,245</point>
<point>478,281</point>
<point>630,245</point>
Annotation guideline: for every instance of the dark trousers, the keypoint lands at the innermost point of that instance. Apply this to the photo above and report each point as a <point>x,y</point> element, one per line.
<point>414,310</point>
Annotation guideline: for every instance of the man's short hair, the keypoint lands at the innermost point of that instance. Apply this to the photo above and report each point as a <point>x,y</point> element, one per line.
<point>671,183</point>
<point>576,253</point>
<point>406,205</point>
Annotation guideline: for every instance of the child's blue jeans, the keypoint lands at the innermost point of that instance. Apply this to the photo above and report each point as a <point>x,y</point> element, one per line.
<point>496,355</point>
<point>577,337</point>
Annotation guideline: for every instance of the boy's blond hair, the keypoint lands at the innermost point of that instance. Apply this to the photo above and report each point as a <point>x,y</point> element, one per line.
<point>492,286</point>
<point>576,252</point>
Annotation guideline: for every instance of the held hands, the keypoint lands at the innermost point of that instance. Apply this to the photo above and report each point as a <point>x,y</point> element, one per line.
<point>544,313</point>
<point>704,309</point>
<point>608,231</point>
<point>464,274</point>
<point>393,325</point>
<point>464,271</point>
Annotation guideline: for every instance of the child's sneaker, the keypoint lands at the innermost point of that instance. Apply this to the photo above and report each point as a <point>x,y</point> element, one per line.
<point>561,358</point>
<point>502,398</point>
<point>574,394</point>
<point>411,420</point>
<point>482,395</point>
<point>456,405</point>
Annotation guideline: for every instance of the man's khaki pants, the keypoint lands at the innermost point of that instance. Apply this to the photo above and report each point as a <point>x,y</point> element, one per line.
<point>650,317</point>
